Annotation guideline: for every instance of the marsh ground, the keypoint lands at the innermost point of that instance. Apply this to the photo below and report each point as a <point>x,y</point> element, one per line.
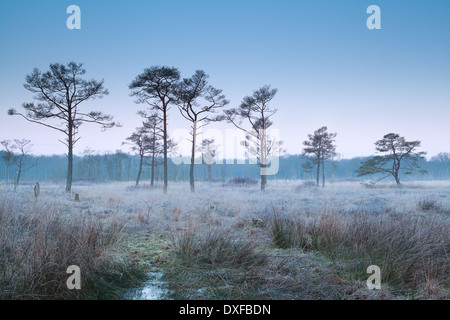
<point>292,241</point>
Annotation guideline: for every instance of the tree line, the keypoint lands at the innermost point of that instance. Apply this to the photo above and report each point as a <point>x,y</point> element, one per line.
<point>60,90</point>
<point>118,166</point>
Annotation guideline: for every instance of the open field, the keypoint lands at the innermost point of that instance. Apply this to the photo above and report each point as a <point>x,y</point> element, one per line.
<point>293,241</point>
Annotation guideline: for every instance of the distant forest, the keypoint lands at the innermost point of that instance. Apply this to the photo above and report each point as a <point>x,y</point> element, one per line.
<point>120,166</point>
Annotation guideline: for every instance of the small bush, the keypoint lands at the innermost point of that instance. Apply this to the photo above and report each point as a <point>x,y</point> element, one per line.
<point>243,181</point>
<point>306,185</point>
<point>429,203</point>
<point>368,185</point>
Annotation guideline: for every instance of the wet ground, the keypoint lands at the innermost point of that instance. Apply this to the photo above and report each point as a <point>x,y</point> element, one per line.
<point>152,289</point>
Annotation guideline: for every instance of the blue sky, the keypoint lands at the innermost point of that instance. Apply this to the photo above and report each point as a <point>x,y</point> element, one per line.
<point>328,67</point>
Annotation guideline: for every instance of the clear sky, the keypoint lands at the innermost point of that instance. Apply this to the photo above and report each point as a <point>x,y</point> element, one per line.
<point>328,67</point>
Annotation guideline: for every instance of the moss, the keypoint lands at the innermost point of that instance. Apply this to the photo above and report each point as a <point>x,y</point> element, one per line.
<point>149,251</point>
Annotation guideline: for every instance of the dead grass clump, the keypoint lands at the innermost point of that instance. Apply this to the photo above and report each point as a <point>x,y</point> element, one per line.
<point>215,248</point>
<point>214,263</point>
<point>429,203</point>
<point>288,232</point>
<point>143,217</point>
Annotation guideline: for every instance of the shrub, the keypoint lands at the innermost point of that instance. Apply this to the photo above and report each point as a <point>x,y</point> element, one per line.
<point>306,185</point>
<point>243,181</point>
<point>429,203</point>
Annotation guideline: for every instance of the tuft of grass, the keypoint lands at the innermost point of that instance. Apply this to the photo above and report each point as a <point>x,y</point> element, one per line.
<point>429,203</point>
<point>213,263</point>
<point>215,248</point>
<point>288,232</point>
<point>282,232</point>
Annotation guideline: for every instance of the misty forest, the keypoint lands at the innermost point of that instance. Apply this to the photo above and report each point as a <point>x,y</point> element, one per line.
<point>145,222</point>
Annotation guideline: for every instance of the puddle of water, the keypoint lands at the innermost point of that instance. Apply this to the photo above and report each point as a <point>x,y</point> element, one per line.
<point>152,289</point>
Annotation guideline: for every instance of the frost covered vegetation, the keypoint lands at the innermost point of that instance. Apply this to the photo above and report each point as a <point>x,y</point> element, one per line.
<point>294,241</point>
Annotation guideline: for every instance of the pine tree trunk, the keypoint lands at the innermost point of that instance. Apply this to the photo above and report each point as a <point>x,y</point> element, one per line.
<point>191,170</point>
<point>139,170</point>
<point>263,181</point>
<point>396,170</point>
<point>19,172</point>
<point>153,170</point>
<point>69,156</point>
<point>323,171</point>
<point>7,172</point>
<point>165,148</point>
<point>263,156</point>
<point>318,172</point>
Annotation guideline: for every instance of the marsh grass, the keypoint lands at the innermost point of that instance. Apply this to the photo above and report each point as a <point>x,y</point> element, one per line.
<point>228,243</point>
<point>216,261</point>
<point>411,251</point>
<point>407,249</point>
<point>216,248</point>
<point>38,244</point>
